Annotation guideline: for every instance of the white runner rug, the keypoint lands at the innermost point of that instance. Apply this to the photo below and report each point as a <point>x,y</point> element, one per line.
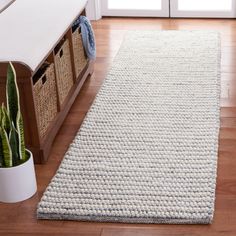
<point>147,150</point>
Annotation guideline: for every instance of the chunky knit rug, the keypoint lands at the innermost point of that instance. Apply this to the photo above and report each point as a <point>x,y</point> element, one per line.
<point>147,149</point>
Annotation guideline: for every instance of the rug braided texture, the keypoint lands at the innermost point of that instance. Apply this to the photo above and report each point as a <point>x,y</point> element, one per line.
<point>147,149</point>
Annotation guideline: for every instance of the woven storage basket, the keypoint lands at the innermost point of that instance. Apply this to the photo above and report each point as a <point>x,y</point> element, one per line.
<point>63,71</point>
<point>80,58</point>
<point>45,97</point>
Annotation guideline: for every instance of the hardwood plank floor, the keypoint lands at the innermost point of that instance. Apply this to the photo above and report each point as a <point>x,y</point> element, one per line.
<point>20,218</point>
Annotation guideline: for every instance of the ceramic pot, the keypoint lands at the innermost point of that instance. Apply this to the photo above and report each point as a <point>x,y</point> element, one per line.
<point>18,183</point>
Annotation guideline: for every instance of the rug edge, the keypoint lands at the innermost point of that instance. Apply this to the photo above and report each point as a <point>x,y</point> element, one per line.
<point>43,216</point>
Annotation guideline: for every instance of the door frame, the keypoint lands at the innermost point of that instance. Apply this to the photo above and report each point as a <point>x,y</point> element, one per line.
<point>174,12</point>
<point>164,12</point>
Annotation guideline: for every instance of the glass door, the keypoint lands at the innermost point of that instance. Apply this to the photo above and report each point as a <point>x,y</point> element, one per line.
<point>152,8</point>
<point>203,8</point>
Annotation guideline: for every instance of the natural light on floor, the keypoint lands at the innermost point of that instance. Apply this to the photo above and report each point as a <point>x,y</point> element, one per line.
<point>204,5</point>
<point>135,4</point>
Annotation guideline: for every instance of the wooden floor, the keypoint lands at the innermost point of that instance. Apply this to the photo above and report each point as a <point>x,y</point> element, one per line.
<point>20,219</point>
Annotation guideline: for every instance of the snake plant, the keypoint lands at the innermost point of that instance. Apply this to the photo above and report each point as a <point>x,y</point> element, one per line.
<point>12,144</point>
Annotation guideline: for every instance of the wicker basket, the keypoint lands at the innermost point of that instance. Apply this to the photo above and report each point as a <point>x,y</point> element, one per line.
<point>45,97</point>
<point>63,71</point>
<point>80,58</point>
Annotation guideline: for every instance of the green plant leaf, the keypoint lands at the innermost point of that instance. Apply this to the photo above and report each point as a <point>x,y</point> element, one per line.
<point>12,93</point>
<point>1,116</point>
<point>13,116</point>
<point>21,140</point>
<point>13,140</point>
<point>6,148</point>
<point>6,123</point>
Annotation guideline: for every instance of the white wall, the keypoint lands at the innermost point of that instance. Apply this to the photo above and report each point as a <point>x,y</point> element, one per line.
<point>93,10</point>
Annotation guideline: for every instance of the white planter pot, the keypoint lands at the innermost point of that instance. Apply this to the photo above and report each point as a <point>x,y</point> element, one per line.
<point>18,183</point>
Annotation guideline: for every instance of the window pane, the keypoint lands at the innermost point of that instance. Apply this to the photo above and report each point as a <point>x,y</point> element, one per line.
<point>205,5</point>
<point>135,4</point>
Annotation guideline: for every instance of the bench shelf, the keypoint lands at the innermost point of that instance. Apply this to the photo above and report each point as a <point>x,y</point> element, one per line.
<point>42,50</point>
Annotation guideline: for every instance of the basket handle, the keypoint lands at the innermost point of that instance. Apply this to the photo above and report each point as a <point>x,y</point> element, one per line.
<point>44,79</point>
<point>61,53</point>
